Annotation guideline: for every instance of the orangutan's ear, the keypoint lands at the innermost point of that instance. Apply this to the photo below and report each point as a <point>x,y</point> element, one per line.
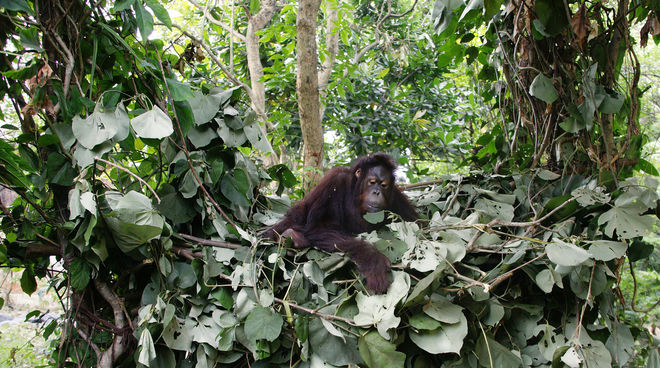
<point>358,172</point>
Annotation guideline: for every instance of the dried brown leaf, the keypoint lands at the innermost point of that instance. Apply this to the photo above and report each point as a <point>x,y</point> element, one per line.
<point>580,26</point>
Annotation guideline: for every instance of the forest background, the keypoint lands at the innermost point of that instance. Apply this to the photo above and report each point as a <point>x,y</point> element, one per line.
<point>147,143</point>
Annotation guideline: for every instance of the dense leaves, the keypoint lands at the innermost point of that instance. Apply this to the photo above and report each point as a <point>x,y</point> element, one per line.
<point>141,177</point>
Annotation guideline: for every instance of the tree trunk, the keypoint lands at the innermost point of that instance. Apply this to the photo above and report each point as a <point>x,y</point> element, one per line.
<point>308,88</point>
<point>332,47</point>
<point>256,23</point>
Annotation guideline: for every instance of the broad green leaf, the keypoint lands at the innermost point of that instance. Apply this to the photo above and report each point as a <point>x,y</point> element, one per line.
<point>180,91</point>
<point>189,185</point>
<point>147,349</point>
<point>207,331</point>
<point>378,310</point>
<point>28,281</point>
<point>587,196</point>
<point>16,5</point>
<point>302,327</point>
<point>605,250</point>
<point>542,88</point>
<point>257,138</point>
<point>419,292</point>
<point>440,308</point>
<point>621,344</point>
<point>145,21</point>
<point>374,217</point>
<point>627,222</point>
<point>263,323</point>
<point>493,354</point>
<point>422,321</point>
<point>445,339</point>
<point>498,210</point>
<point>491,7</point>
<point>160,12</point>
<point>135,221</point>
<point>612,102</point>
<point>176,208</point>
<point>79,271</point>
<point>153,124</point>
<point>380,353</point>
<point>566,254</point>
<point>205,107</point>
<point>472,5</point>
<point>235,187</point>
<point>75,207</point>
<point>647,167</point>
<point>545,280</point>
<point>331,349</point>
<point>572,124</point>
<point>231,137</point>
<point>100,126</point>
<point>59,170</point>
<point>495,313</point>
<point>178,335</point>
<point>65,134</point>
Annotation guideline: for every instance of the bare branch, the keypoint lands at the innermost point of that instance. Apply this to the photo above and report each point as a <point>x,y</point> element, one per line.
<point>224,26</point>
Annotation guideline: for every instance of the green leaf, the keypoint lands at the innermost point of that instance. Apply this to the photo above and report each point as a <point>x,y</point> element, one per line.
<point>263,323</point>
<point>80,273</point>
<point>147,349</point>
<point>145,21</point>
<point>419,292</point>
<point>498,210</point>
<point>16,5</point>
<point>28,281</point>
<point>647,167</point>
<point>473,5</point>
<point>302,327</point>
<point>235,186</point>
<point>134,220</point>
<point>627,222</point>
<point>174,207</point>
<point>180,91</point>
<point>621,344</point>
<point>374,217</point>
<point>612,102</point>
<point>332,349</point>
<point>545,280</point>
<point>231,137</point>
<point>639,250</point>
<point>30,39</point>
<point>153,124</point>
<point>422,321</point>
<point>160,12</point>
<point>491,7</point>
<point>566,254</point>
<point>205,107</point>
<point>493,354</point>
<point>379,353</point>
<point>542,87</point>
<point>446,339</point>
<point>257,138</point>
<point>440,308</point>
<point>100,126</point>
<point>605,250</point>
<point>59,170</point>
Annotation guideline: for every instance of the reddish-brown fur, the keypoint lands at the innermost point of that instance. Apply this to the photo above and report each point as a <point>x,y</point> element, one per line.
<point>330,216</point>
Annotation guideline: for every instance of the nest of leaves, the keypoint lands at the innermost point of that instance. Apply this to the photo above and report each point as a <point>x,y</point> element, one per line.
<point>503,271</point>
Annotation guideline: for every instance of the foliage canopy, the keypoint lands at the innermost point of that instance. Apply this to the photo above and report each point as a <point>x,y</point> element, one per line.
<point>137,161</point>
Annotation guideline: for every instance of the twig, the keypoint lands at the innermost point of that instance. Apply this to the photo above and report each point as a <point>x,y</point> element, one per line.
<point>634,296</point>
<point>213,243</point>
<point>130,173</point>
<point>316,313</point>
